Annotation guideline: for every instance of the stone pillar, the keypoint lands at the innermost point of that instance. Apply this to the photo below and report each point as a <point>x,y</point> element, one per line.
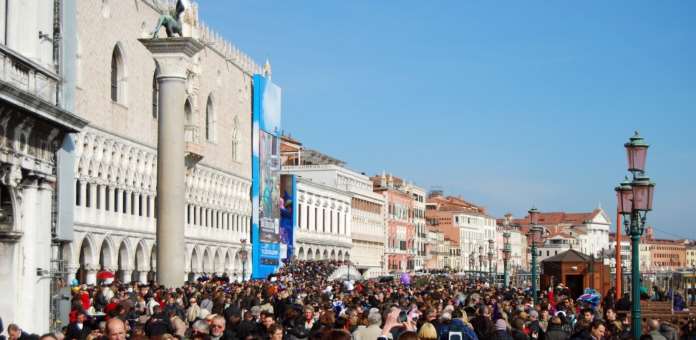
<point>128,202</point>
<point>142,275</point>
<point>126,274</point>
<point>83,193</point>
<point>109,192</point>
<point>118,200</point>
<point>101,194</point>
<point>173,58</point>
<point>90,274</point>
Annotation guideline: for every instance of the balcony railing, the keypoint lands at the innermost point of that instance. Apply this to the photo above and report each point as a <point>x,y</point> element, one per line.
<point>194,147</point>
<point>27,75</point>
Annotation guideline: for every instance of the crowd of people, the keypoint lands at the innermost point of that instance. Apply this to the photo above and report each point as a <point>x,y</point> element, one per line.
<point>300,303</point>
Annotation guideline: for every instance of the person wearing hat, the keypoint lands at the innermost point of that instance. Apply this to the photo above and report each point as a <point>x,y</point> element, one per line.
<point>501,331</point>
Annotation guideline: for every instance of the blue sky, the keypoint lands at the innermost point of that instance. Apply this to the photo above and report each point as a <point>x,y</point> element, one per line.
<point>508,104</point>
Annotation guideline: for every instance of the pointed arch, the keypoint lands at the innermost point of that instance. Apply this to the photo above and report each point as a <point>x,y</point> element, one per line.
<point>206,266</point>
<point>107,259</point>
<point>301,254</point>
<point>124,259</point>
<point>218,265</point>
<point>195,261</point>
<point>227,266</point>
<point>87,251</point>
<point>155,91</point>
<point>118,75</point>
<point>210,119</point>
<point>141,259</point>
<point>235,138</point>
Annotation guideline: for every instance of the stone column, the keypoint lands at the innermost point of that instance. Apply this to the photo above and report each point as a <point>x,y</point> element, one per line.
<point>118,200</point>
<point>126,273</point>
<point>127,205</point>
<point>83,193</point>
<point>91,274</point>
<point>142,275</point>
<point>173,58</point>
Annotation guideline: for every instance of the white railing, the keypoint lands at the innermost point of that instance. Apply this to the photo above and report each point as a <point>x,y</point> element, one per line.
<point>27,75</point>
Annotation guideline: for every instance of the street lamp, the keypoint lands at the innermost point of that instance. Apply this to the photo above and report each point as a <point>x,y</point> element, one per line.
<point>491,248</point>
<point>480,256</point>
<point>506,257</point>
<point>472,263</point>
<point>534,232</point>
<point>243,253</point>
<point>634,200</point>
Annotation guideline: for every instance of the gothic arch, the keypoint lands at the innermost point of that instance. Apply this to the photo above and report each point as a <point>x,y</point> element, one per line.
<point>218,265</point>
<point>195,261</point>
<point>301,254</point>
<point>107,259</point>
<point>227,265</point>
<point>141,259</point>
<point>119,75</point>
<point>124,259</point>
<point>210,119</point>
<point>206,265</point>
<point>326,255</point>
<point>87,252</point>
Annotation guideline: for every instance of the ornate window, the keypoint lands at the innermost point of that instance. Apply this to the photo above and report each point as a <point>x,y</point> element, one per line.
<point>155,93</point>
<point>118,76</point>
<point>210,120</point>
<point>235,139</point>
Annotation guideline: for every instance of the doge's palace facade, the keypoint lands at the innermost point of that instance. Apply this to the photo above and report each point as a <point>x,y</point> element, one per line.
<point>116,154</point>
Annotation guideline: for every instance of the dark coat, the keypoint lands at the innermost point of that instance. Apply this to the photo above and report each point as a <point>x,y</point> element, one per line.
<point>501,335</point>
<point>75,332</point>
<point>556,332</point>
<point>519,335</point>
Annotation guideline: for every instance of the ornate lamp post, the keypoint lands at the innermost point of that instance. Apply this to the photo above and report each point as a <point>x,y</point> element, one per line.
<point>480,256</point>
<point>506,258</point>
<point>534,232</point>
<point>491,248</point>
<point>634,200</point>
<point>472,263</point>
<point>243,253</point>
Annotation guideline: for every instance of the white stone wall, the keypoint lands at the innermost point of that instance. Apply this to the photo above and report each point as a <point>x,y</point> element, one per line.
<point>367,228</point>
<point>115,211</point>
<point>213,74</point>
<point>474,231</point>
<point>324,222</point>
<point>117,154</point>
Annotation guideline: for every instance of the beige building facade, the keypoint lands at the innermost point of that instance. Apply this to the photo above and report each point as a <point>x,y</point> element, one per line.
<point>116,155</point>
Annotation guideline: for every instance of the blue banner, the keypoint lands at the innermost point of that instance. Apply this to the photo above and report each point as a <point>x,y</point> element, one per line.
<point>265,187</point>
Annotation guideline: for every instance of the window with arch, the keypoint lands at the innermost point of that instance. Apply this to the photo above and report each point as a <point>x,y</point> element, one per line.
<point>118,76</point>
<point>235,139</point>
<point>155,92</point>
<point>210,120</point>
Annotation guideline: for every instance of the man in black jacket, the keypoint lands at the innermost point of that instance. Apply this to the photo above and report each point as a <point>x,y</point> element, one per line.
<point>79,329</point>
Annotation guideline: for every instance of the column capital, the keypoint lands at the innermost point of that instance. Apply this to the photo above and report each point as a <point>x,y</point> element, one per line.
<point>173,54</point>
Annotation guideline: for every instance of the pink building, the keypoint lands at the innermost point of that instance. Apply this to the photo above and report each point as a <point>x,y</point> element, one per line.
<point>400,248</point>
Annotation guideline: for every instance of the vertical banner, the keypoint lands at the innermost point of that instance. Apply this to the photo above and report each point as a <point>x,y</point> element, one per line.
<point>288,216</point>
<point>265,167</point>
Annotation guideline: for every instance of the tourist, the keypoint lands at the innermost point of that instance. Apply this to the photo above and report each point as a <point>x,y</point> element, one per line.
<point>654,330</point>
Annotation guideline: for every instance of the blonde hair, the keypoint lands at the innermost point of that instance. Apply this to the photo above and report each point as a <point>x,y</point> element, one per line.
<point>427,331</point>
